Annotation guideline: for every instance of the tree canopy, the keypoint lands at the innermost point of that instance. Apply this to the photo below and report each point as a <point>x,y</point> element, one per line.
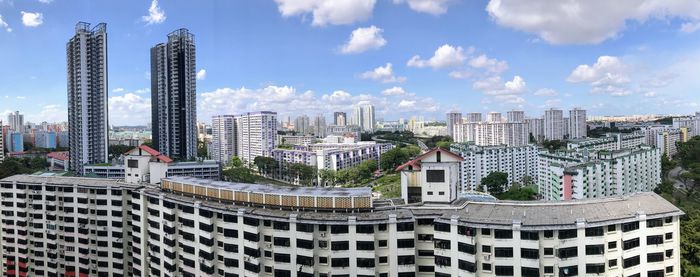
<point>496,182</point>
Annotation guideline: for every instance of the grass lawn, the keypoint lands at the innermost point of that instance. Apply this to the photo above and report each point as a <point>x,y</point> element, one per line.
<point>389,185</point>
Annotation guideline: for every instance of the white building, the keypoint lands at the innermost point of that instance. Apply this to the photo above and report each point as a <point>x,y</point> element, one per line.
<point>295,140</point>
<point>494,117</point>
<point>318,126</point>
<point>577,124</point>
<point>453,118</point>
<point>599,174</point>
<point>611,141</point>
<point>515,116</point>
<point>553,124</point>
<point>256,135</point>
<point>197,227</point>
<point>473,117</point>
<point>16,122</point>
<point>363,116</point>
<point>479,161</point>
<point>535,127</point>
<point>223,143</point>
<point>692,123</point>
<point>668,140</point>
<point>492,133</point>
<point>302,125</point>
<point>432,177</point>
<point>2,144</point>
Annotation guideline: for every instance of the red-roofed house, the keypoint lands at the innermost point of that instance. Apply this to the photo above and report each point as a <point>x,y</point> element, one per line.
<point>431,177</point>
<point>145,164</point>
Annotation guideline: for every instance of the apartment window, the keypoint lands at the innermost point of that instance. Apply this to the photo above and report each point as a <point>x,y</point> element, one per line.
<point>568,271</point>
<point>612,263</point>
<point>631,243</point>
<point>549,251</point>
<point>404,227</point>
<point>527,253</point>
<point>669,253</point>
<point>442,261</point>
<point>364,229</point>
<point>406,260</point>
<point>658,222</point>
<point>548,269</point>
<point>441,227</point>
<point>486,267</point>
<point>596,249</point>
<point>466,266</point>
<point>655,240</point>
<point>630,226</point>
<point>435,176</point>
<point>466,248</point>
<point>595,268</point>
<point>503,234</point>
<point>567,234</point>
<point>503,252</point>
<point>504,270</point>
<point>548,233</point>
<point>569,252</point>
<point>655,257</point>
<point>339,229</point>
<point>630,262</point>
<point>485,232</point>
<point>486,248</point>
<point>612,245</point>
<point>405,243</point>
<point>340,262</point>
<point>594,232</point>
<point>669,236</point>
<point>442,244</point>
<point>383,243</point>
<point>527,235</point>
<point>365,245</point>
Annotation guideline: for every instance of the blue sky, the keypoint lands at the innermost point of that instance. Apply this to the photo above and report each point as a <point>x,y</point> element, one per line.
<point>407,57</point>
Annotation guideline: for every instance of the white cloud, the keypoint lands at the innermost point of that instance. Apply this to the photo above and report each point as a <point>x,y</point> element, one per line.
<point>46,1</point>
<point>495,86</point>
<point>394,91</point>
<point>509,98</point>
<point>118,90</point>
<point>30,19</point>
<point>129,109</point>
<point>551,103</point>
<point>142,90</point>
<point>445,56</point>
<point>363,39</point>
<point>660,80</point>
<point>434,7</point>
<point>407,104</point>
<point>491,65</point>
<point>325,12</point>
<point>49,113</point>
<point>650,94</point>
<point>4,25</point>
<point>609,75</point>
<point>690,27</point>
<point>461,74</point>
<point>156,15</point>
<point>20,97</point>
<point>385,74</point>
<point>201,74</point>
<point>588,21</point>
<point>545,92</point>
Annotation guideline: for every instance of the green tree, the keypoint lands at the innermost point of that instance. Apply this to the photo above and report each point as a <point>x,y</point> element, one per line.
<point>392,159</point>
<point>202,149</point>
<point>528,181</point>
<point>666,165</point>
<point>327,177</point>
<point>553,145</point>
<point>304,173</point>
<point>239,174</point>
<point>495,182</point>
<point>366,169</point>
<point>444,144</point>
<point>266,165</point>
<point>236,162</point>
<point>12,166</point>
<point>410,150</point>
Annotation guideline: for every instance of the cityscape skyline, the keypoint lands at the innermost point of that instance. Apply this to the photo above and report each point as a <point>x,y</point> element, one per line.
<point>625,72</point>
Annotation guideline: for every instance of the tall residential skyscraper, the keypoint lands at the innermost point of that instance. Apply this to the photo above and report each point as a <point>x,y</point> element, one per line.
<point>302,125</point>
<point>256,135</point>
<point>453,118</point>
<point>2,144</point>
<point>577,123</point>
<point>515,116</point>
<point>340,119</point>
<point>173,96</point>
<point>87,96</point>
<point>536,128</point>
<point>493,117</point>
<point>363,116</point>
<point>553,124</point>
<point>473,117</point>
<point>318,126</point>
<point>223,145</point>
<point>16,122</point>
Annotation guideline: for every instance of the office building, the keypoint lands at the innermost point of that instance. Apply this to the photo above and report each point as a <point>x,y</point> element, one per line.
<point>174,95</point>
<point>577,124</point>
<point>553,124</point>
<point>567,176</point>
<point>302,125</point>
<point>492,133</point>
<point>256,135</point>
<point>340,118</point>
<point>494,117</point>
<point>535,127</point>
<point>519,162</point>
<point>515,116</point>
<point>453,118</point>
<point>16,122</point>
<point>223,144</point>
<point>87,96</point>
<point>205,228</point>
<point>44,139</point>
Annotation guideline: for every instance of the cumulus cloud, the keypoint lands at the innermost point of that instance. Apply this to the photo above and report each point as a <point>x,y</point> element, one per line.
<point>650,94</point>
<point>551,103</point>
<point>156,15</point>
<point>491,65</point>
<point>49,113</point>
<point>607,75</point>
<point>118,90</point>
<point>30,19</point>
<point>660,80</point>
<point>585,22</point>
<point>445,56</point>
<point>336,12</point>
<point>287,100</point>
<point>690,27</point>
<point>495,86</point>
<point>364,39</point>
<point>384,74</point>
<point>545,92</point>
<point>201,74</point>
<point>407,104</point>
<point>129,109</point>
<point>4,25</point>
<point>394,91</point>
<point>434,7</point>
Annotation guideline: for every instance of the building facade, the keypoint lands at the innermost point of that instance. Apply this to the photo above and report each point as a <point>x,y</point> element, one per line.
<point>16,122</point>
<point>453,118</point>
<point>553,124</point>
<point>611,141</point>
<point>577,124</point>
<point>223,144</point>
<point>202,228</point>
<point>492,133</point>
<point>256,135</point>
<point>535,127</point>
<point>519,162</point>
<point>340,118</point>
<point>44,139</point>
<point>174,96</point>
<point>88,117</point>
<point>363,116</point>
<point>515,116</point>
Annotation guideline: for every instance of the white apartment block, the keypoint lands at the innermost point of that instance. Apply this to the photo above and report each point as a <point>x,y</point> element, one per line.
<point>223,144</point>
<point>479,161</point>
<point>363,116</point>
<point>453,118</point>
<point>295,140</point>
<point>190,227</point>
<point>577,124</point>
<point>602,174</point>
<point>256,135</point>
<point>494,117</point>
<point>611,141</point>
<point>692,123</point>
<point>515,116</point>
<point>490,133</point>
<point>535,127</point>
<point>668,140</point>
<point>554,124</point>
<point>472,117</point>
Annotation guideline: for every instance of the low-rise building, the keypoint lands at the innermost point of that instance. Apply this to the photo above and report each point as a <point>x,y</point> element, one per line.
<point>611,141</point>
<point>295,140</point>
<point>519,162</point>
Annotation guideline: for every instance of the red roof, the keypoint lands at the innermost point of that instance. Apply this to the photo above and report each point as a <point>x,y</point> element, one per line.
<point>153,152</point>
<point>416,162</point>
<point>62,155</point>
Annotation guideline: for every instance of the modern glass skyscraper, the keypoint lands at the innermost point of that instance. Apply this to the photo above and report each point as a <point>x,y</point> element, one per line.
<point>173,96</point>
<point>86,59</point>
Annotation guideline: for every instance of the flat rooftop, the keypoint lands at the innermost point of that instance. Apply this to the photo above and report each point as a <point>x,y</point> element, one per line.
<point>269,188</point>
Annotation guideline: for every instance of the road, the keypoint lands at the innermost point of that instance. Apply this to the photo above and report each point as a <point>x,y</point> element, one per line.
<point>422,145</point>
<point>673,176</point>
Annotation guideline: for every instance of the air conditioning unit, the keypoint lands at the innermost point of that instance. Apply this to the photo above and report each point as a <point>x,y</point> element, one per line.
<point>268,245</point>
<point>487,257</point>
